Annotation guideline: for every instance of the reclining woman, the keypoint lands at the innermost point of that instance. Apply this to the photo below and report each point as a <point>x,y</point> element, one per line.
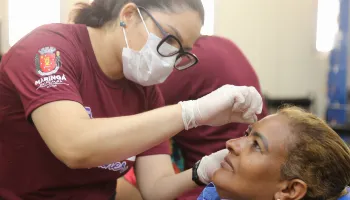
<point>289,155</point>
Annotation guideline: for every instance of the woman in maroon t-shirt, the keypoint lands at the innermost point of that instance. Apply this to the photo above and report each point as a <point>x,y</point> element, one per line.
<point>220,60</point>
<point>76,97</point>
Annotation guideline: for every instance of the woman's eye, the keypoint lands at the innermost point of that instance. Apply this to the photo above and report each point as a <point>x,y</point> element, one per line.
<point>171,41</point>
<point>246,133</point>
<point>256,146</point>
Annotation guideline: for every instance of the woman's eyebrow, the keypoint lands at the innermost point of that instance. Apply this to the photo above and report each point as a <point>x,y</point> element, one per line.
<point>177,34</point>
<point>250,128</point>
<point>263,139</point>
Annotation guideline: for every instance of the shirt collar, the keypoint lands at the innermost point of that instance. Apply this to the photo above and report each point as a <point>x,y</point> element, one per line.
<point>209,193</point>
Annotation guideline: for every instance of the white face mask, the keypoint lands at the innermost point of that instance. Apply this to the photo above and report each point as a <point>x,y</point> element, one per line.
<point>146,67</point>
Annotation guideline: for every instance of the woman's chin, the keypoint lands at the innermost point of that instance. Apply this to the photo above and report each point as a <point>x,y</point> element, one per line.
<point>221,182</point>
<point>222,193</point>
<point>221,175</point>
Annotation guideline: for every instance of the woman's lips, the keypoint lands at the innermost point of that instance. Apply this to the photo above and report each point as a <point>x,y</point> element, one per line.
<point>226,164</point>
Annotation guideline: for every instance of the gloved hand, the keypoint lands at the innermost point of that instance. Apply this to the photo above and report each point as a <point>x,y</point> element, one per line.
<point>209,164</point>
<point>227,104</point>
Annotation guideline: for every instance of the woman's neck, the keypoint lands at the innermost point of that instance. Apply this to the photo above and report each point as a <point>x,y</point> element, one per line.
<point>108,52</point>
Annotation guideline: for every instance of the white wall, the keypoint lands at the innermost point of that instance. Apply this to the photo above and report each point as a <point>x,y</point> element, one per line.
<point>279,39</point>
<point>66,6</point>
<point>3,26</point>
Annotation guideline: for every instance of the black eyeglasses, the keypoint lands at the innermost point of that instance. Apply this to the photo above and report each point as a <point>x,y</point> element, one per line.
<point>184,59</point>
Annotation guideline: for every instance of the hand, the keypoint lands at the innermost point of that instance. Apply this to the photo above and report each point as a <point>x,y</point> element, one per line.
<point>227,104</point>
<point>209,164</point>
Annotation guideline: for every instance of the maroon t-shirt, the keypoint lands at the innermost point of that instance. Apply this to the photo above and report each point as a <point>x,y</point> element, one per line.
<point>56,62</point>
<point>220,62</point>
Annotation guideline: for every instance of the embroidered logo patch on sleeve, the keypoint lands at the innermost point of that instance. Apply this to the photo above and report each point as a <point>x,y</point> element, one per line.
<point>47,61</point>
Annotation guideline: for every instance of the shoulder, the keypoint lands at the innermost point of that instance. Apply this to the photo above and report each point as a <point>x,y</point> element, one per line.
<point>215,45</point>
<point>51,32</point>
<point>59,39</point>
<point>216,56</point>
<point>216,51</point>
<point>62,36</point>
<point>209,39</point>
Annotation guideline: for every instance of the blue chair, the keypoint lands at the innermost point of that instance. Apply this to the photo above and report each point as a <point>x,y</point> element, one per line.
<point>209,193</point>
<point>347,196</point>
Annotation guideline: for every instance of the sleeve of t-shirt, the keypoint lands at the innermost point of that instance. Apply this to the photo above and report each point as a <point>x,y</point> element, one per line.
<point>42,68</point>
<point>155,100</point>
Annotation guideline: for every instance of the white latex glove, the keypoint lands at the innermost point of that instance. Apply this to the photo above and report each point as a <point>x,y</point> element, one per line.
<point>209,164</point>
<point>227,104</point>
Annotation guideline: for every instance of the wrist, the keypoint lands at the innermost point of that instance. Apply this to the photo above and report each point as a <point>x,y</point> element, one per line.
<point>195,176</point>
<point>188,115</point>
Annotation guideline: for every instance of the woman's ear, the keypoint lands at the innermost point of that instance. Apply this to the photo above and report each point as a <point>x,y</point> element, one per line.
<point>128,13</point>
<point>291,190</point>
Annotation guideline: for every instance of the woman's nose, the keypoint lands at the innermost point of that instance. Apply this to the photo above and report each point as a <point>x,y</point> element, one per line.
<point>234,146</point>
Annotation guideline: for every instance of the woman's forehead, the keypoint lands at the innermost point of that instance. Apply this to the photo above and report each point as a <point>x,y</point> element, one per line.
<point>276,130</point>
<point>187,23</point>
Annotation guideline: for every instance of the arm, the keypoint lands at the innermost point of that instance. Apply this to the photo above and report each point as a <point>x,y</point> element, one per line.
<point>107,139</point>
<point>81,142</point>
<point>127,191</point>
<point>159,181</point>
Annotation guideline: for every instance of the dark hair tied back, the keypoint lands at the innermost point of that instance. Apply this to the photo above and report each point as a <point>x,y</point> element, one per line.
<point>92,15</point>
<point>101,12</point>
